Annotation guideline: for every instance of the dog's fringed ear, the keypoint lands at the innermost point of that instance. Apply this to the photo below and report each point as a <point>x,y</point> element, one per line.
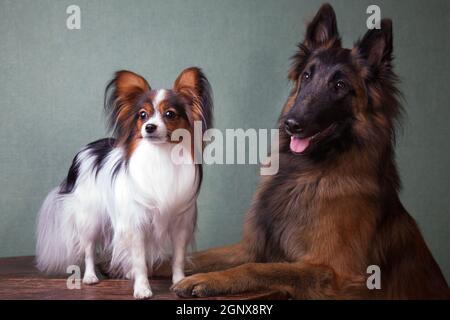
<point>194,85</point>
<point>377,45</point>
<point>322,31</point>
<point>121,97</point>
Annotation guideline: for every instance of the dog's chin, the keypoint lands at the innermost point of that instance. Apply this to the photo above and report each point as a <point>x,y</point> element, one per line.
<point>156,139</point>
<point>303,145</point>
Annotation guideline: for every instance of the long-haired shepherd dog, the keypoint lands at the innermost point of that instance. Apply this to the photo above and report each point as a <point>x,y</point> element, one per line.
<point>333,208</point>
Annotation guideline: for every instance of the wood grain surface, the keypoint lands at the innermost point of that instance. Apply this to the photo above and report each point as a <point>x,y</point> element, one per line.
<point>19,279</point>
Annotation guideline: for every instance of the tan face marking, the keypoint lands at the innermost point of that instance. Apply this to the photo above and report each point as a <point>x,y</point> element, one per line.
<point>172,119</point>
<point>148,110</point>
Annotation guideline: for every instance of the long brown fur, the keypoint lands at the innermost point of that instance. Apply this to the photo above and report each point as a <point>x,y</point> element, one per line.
<point>314,227</point>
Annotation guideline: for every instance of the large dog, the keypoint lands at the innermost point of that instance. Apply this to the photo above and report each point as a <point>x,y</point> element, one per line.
<point>333,208</point>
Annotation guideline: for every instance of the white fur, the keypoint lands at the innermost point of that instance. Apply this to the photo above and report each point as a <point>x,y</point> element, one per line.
<point>139,217</point>
<point>160,96</point>
<point>160,134</point>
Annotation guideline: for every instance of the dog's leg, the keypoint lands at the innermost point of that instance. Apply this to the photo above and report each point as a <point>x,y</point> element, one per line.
<point>299,280</point>
<point>217,259</point>
<point>210,260</point>
<point>181,236</point>
<point>179,250</point>
<point>139,267</point>
<point>89,272</point>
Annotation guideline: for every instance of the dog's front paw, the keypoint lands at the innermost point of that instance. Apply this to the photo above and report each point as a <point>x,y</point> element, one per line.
<point>199,285</point>
<point>142,292</point>
<point>90,278</point>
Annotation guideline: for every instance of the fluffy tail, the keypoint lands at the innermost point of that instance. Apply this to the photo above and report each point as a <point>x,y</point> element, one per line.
<point>57,244</point>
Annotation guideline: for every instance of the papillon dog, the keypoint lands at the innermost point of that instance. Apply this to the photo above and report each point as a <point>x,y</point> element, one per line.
<point>124,197</point>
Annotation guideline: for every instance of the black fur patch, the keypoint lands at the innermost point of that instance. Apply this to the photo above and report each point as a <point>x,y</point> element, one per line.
<point>69,183</point>
<point>99,150</point>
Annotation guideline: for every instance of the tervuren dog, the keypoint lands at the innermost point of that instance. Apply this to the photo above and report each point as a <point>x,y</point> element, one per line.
<point>333,208</point>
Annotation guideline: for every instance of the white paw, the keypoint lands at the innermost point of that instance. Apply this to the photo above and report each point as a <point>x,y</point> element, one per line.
<point>90,278</point>
<point>177,277</point>
<point>142,292</point>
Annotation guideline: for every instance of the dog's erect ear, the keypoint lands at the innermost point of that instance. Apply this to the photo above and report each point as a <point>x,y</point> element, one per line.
<point>377,44</point>
<point>128,83</point>
<point>322,30</point>
<point>194,85</point>
<point>121,96</point>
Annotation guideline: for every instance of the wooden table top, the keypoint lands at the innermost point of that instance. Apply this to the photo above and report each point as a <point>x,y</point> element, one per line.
<point>19,279</point>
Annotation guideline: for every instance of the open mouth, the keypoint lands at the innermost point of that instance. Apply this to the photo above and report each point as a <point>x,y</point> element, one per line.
<point>301,145</point>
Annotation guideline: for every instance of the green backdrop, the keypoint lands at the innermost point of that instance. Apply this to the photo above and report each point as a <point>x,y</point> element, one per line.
<point>52,81</point>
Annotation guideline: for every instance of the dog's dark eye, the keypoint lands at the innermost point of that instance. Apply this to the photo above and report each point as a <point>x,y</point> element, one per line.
<point>143,115</point>
<point>306,76</point>
<point>170,114</point>
<point>340,85</point>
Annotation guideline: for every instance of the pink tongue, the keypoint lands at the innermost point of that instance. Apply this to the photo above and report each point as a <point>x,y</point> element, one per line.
<point>299,145</point>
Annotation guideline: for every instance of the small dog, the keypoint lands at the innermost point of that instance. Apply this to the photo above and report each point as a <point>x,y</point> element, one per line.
<point>125,198</point>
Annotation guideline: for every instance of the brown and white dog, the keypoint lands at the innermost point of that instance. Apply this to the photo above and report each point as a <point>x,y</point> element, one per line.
<point>333,208</point>
<point>125,200</point>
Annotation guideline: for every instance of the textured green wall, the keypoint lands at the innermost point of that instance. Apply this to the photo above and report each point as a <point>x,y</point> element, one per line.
<point>52,82</point>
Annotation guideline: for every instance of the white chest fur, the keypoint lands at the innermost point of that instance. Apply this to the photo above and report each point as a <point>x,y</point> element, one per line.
<point>159,181</point>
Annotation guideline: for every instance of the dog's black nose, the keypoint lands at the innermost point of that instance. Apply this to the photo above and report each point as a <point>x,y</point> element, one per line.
<point>292,126</point>
<point>150,127</point>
